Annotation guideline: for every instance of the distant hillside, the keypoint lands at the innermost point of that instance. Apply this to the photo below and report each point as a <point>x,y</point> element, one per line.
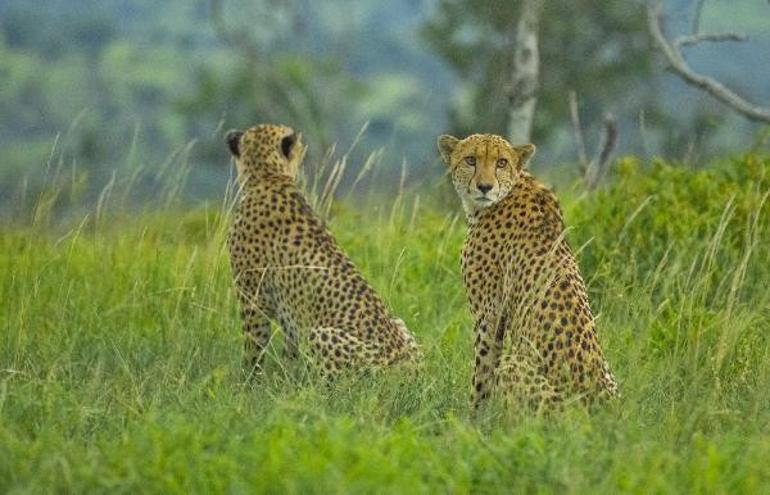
<point>134,81</point>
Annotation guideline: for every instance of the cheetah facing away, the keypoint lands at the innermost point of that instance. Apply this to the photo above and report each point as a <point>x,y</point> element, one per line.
<point>535,337</point>
<point>288,268</point>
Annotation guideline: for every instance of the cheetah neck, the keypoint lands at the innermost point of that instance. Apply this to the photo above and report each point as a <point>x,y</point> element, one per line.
<point>523,191</point>
<point>472,212</point>
<point>258,183</point>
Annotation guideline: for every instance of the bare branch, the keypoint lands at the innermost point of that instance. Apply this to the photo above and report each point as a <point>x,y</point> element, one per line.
<point>593,170</point>
<point>696,18</point>
<point>697,38</point>
<point>610,140</point>
<point>598,166</point>
<point>708,84</point>
<point>579,141</point>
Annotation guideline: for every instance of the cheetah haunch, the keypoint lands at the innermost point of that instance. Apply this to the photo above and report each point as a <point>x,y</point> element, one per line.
<point>288,268</point>
<point>535,337</point>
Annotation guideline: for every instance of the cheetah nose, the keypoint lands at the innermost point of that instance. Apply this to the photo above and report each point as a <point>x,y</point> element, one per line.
<point>484,188</point>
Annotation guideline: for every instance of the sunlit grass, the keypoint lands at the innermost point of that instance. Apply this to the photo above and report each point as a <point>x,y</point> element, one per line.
<point>120,354</point>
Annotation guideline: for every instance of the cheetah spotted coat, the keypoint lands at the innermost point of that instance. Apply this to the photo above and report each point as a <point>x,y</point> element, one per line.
<point>289,269</point>
<point>535,336</point>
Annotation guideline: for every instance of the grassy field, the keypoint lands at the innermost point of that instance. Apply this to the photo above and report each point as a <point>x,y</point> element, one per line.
<point>120,355</point>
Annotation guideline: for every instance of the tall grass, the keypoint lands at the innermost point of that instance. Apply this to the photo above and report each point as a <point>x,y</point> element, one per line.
<point>120,352</point>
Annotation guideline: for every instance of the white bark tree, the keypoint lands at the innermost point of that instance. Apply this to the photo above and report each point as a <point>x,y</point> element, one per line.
<point>526,70</point>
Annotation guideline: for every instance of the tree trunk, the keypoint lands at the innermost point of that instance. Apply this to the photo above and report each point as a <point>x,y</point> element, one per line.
<point>526,67</point>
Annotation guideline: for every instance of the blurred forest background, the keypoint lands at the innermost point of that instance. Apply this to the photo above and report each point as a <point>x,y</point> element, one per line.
<point>101,86</point>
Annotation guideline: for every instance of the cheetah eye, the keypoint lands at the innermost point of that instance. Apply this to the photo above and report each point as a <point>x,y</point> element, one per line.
<point>470,160</point>
<point>502,162</point>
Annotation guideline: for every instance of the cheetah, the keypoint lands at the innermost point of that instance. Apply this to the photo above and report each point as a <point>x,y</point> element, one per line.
<point>289,269</point>
<point>535,336</point>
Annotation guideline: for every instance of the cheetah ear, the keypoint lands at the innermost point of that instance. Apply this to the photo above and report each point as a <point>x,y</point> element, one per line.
<point>287,144</point>
<point>233,139</point>
<point>525,152</point>
<point>446,145</point>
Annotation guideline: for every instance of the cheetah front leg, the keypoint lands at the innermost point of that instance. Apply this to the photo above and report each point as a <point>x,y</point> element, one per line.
<point>256,336</point>
<point>488,346</point>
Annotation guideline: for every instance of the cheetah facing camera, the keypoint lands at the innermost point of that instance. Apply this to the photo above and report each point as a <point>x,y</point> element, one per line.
<point>289,269</point>
<point>535,338</point>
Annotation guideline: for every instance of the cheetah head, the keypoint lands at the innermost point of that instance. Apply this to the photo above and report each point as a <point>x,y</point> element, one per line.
<point>266,149</point>
<point>484,167</point>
